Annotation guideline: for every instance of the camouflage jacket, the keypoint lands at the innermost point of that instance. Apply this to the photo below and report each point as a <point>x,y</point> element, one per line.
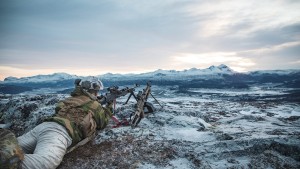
<point>81,115</point>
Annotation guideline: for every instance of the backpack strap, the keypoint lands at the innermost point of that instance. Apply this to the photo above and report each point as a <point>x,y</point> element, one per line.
<point>81,143</point>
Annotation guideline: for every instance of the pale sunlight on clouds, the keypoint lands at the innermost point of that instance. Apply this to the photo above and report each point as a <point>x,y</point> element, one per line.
<point>220,17</point>
<point>24,72</point>
<point>239,69</point>
<point>296,62</point>
<point>205,59</point>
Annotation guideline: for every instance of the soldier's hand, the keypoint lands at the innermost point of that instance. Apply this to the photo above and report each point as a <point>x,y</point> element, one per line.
<point>110,104</point>
<point>100,97</point>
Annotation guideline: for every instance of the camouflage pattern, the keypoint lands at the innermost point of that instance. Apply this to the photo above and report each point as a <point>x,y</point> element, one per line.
<point>81,115</point>
<point>11,153</point>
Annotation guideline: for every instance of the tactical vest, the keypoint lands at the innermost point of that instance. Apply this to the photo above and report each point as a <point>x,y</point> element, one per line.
<point>78,113</point>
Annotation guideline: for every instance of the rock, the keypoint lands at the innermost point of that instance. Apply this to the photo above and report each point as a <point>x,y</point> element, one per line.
<point>270,114</point>
<point>222,113</point>
<point>225,136</point>
<point>52,101</point>
<point>277,132</point>
<point>233,161</point>
<point>201,128</point>
<point>36,98</point>
<point>293,118</point>
<point>27,109</point>
<point>160,122</point>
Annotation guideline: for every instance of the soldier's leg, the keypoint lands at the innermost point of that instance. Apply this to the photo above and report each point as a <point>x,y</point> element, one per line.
<point>28,141</point>
<point>52,143</point>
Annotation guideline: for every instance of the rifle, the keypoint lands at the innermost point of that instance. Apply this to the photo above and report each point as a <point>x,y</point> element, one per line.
<point>114,92</point>
<point>112,95</point>
<point>142,103</point>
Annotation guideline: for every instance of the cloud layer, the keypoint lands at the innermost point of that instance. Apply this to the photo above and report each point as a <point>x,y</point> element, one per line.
<point>93,37</point>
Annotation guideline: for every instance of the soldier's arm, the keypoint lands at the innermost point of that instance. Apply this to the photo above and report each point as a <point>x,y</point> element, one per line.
<point>59,106</point>
<point>102,116</point>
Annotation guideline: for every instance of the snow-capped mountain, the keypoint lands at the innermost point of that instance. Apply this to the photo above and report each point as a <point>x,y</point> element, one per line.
<point>212,77</point>
<point>212,71</point>
<point>208,73</point>
<point>222,69</point>
<point>41,78</point>
<point>277,72</point>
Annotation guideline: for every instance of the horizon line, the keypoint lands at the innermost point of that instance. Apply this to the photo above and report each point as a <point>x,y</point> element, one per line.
<point>139,72</point>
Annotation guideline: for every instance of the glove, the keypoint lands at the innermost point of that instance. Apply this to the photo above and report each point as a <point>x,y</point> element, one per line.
<point>110,105</point>
<point>100,97</point>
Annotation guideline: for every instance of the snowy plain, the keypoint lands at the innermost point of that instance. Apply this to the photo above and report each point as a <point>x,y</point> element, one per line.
<point>199,128</point>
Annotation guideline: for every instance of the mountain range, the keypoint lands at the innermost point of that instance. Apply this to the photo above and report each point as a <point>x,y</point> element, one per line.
<point>211,71</point>
<point>212,77</point>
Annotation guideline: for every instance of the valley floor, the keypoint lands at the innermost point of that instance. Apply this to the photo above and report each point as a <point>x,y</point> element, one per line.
<point>211,129</point>
<point>197,128</point>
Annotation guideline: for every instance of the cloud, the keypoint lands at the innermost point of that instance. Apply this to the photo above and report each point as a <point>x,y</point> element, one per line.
<point>207,59</point>
<point>219,17</point>
<point>243,25</point>
<point>275,48</point>
<point>295,62</point>
<point>130,36</point>
<point>281,55</point>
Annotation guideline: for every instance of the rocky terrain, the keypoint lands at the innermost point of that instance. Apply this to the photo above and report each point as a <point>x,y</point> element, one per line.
<point>196,128</point>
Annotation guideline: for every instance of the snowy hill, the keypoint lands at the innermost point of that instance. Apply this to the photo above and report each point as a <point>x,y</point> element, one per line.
<point>41,78</point>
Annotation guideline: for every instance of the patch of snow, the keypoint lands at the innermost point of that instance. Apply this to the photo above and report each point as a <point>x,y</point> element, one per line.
<point>178,163</point>
<point>285,110</point>
<point>147,166</point>
<point>233,92</point>
<point>186,134</point>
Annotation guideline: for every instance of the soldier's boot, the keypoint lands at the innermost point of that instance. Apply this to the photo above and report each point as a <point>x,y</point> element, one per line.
<point>11,153</point>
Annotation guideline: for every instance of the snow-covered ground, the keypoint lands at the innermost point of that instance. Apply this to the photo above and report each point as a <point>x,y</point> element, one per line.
<point>198,129</point>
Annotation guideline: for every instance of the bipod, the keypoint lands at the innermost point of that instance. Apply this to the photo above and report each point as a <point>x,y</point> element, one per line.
<point>131,94</point>
<point>156,100</point>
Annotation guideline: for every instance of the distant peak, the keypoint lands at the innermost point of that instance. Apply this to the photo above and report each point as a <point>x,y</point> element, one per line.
<point>193,69</point>
<point>225,68</point>
<point>222,66</point>
<point>108,73</point>
<point>60,73</point>
<point>212,67</point>
<point>10,78</point>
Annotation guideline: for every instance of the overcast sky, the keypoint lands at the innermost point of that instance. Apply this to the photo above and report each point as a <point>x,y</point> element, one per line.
<point>89,37</point>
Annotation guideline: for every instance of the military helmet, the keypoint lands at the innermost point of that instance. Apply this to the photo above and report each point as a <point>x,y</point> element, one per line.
<point>92,84</point>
